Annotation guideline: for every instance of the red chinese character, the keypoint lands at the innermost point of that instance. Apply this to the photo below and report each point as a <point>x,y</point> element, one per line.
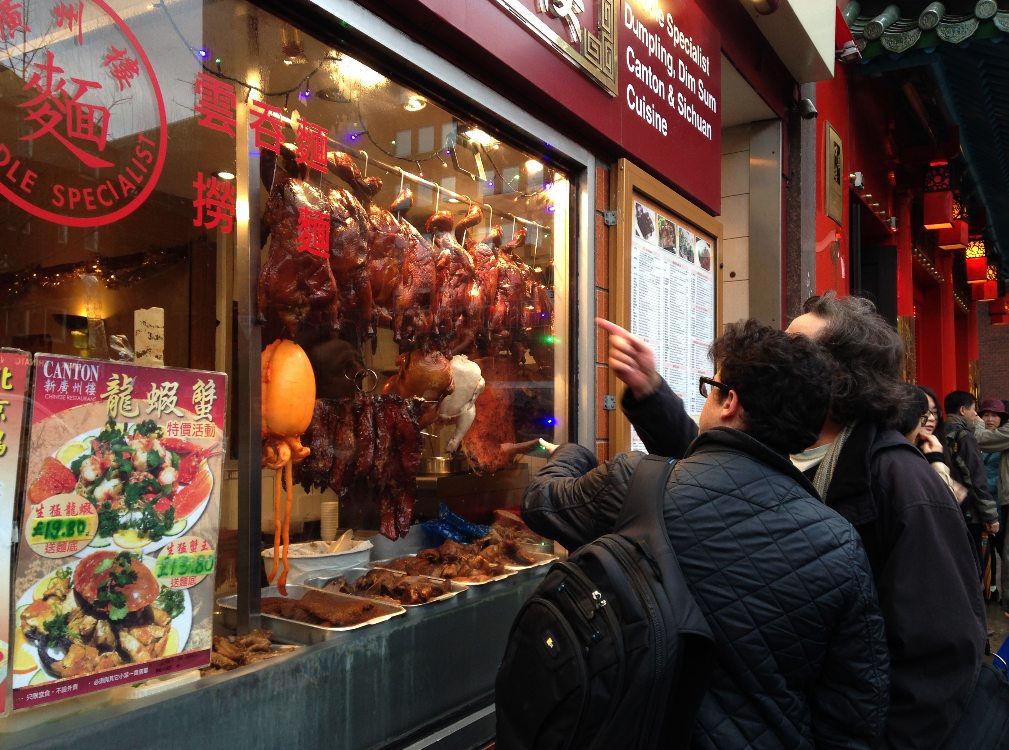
<point>50,548</point>
<point>61,546</point>
<point>216,103</point>
<point>71,508</point>
<point>39,512</point>
<point>217,198</point>
<point>170,548</point>
<point>267,122</point>
<point>172,429</point>
<point>209,430</point>
<point>194,544</point>
<point>53,106</point>
<point>310,145</point>
<point>86,509</point>
<point>205,546</point>
<point>11,20</point>
<point>73,546</point>
<point>71,14</point>
<point>313,232</point>
<point>55,510</point>
<point>187,429</point>
<point>174,583</point>
<point>122,68</point>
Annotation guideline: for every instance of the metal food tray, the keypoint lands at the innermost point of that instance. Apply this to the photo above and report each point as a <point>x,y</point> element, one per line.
<point>352,574</point>
<point>541,558</point>
<point>462,579</point>
<point>292,631</point>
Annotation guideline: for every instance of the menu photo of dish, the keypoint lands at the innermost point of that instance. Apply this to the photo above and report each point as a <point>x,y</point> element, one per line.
<point>114,580</point>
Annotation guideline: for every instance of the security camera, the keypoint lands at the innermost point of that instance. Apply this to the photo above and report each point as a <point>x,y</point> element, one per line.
<point>857,180</point>
<point>806,109</point>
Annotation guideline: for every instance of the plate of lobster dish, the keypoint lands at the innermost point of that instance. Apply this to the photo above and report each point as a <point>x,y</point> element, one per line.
<point>94,614</point>
<point>145,486</point>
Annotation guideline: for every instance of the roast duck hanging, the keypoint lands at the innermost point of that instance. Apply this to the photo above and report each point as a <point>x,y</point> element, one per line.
<point>288,398</point>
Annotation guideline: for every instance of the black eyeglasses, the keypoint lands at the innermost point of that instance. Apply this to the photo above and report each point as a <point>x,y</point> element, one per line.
<point>703,384</point>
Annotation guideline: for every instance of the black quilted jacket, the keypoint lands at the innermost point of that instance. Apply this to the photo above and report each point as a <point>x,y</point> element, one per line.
<point>782,580</point>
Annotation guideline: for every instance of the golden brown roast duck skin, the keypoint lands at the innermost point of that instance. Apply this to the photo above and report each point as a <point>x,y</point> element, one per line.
<point>415,302</point>
<point>294,284</point>
<point>348,257</point>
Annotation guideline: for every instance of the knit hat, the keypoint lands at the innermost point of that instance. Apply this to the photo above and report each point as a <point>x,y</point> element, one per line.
<point>995,406</point>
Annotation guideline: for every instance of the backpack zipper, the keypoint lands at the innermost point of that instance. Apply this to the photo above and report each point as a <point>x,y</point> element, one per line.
<point>642,588</point>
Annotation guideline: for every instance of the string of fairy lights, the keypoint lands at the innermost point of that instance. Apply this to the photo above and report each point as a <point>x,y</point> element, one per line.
<point>303,90</point>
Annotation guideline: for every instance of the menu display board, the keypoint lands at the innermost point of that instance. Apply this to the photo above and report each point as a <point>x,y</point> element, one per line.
<point>672,300</point>
<point>14,365</point>
<point>664,271</point>
<point>119,526</point>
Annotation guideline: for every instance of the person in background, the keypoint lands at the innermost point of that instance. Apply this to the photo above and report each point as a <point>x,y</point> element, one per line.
<point>964,458</point>
<point>782,580</point>
<point>911,423</point>
<point>918,545</point>
<point>933,426</point>
<point>992,435</point>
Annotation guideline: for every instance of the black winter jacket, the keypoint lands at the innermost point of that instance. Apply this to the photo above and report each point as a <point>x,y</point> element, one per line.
<point>782,580</point>
<point>921,556</point>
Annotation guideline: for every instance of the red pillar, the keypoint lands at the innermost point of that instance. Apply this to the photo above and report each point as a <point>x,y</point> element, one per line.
<point>905,262</point>
<point>945,348</point>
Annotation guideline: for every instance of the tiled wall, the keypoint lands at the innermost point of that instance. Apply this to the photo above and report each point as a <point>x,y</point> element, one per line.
<point>993,356</point>
<point>735,220</point>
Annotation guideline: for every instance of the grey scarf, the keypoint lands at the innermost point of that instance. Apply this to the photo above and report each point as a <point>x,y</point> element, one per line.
<point>825,471</point>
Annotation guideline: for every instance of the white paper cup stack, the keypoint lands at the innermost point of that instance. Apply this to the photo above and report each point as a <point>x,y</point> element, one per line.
<point>329,516</point>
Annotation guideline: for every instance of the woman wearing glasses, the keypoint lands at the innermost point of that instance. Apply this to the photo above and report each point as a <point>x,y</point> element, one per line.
<point>933,423</point>
<point>917,422</point>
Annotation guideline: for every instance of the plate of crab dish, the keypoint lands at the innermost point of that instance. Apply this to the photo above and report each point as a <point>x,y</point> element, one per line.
<point>146,487</point>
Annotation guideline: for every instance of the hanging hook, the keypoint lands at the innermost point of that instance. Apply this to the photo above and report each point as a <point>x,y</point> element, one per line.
<point>513,226</point>
<point>402,176</point>
<point>365,173</point>
<point>536,244</point>
<point>437,197</point>
<point>490,216</point>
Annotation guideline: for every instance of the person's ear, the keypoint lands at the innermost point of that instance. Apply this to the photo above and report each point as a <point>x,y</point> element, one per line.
<point>731,407</point>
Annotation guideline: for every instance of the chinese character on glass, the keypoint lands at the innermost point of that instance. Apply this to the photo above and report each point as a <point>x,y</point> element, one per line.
<point>71,14</point>
<point>3,444</point>
<point>120,397</point>
<point>11,20</point>
<point>215,203</point>
<point>122,67</point>
<point>3,406</point>
<point>215,103</point>
<point>204,396</point>
<point>267,124</point>
<point>310,145</point>
<point>313,232</point>
<point>163,399</point>
<point>5,379</point>
<point>53,106</point>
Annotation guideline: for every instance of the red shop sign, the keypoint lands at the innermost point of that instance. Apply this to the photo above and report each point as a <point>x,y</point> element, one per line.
<point>77,106</point>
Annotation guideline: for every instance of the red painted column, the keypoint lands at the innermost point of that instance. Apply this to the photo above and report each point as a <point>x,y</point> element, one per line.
<point>905,263</point>
<point>945,346</point>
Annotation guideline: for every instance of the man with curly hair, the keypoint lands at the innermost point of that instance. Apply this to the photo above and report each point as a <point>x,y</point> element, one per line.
<point>914,533</point>
<point>782,580</point>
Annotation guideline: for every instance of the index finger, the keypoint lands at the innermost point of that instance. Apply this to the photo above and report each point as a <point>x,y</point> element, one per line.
<point>613,329</point>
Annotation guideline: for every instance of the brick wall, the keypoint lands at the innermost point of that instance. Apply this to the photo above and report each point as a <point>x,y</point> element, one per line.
<point>993,356</point>
<point>602,290</point>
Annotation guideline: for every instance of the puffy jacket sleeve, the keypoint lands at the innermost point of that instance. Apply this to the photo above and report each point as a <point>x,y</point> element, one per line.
<point>849,702</point>
<point>931,600</point>
<point>983,500</point>
<point>660,421</point>
<point>992,440</point>
<point>573,499</point>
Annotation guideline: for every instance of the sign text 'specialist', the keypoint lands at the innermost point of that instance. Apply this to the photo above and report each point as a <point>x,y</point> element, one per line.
<point>78,159</point>
<point>670,72</point>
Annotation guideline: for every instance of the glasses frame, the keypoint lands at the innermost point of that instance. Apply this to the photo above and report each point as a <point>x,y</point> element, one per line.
<point>703,383</point>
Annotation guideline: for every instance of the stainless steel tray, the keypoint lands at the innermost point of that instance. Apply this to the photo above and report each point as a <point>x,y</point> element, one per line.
<point>292,631</point>
<point>541,558</point>
<point>461,579</point>
<point>352,574</point>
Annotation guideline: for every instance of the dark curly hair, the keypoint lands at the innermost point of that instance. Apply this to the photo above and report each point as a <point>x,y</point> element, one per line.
<point>783,382</point>
<point>870,358</point>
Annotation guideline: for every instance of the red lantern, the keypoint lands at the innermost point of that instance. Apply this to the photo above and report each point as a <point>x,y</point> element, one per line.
<point>999,307</point>
<point>954,238</point>
<point>998,319</point>
<point>937,212</point>
<point>977,263</point>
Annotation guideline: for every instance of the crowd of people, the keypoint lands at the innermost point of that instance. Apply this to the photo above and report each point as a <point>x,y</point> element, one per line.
<point>839,531</point>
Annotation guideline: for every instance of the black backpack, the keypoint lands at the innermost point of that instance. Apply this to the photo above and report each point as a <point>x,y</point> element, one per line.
<point>611,650</point>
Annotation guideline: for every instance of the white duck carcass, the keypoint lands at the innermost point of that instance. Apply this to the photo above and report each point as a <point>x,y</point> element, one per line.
<point>459,407</point>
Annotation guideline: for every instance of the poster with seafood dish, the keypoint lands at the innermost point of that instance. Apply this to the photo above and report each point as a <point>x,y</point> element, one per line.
<point>14,365</point>
<point>115,570</point>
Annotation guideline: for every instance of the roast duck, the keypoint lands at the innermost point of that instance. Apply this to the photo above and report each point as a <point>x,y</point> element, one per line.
<point>448,300</point>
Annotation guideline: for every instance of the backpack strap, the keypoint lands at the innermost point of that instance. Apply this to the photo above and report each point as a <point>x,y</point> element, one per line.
<point>642,508</point>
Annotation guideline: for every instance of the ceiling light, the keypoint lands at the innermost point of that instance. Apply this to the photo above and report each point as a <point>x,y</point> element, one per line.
<point>414,103</point>
<point>480,137</point>
<point>533,167</point>
<point>225,175</point>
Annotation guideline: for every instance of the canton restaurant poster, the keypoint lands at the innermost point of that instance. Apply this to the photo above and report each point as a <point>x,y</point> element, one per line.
<point>114,581</point>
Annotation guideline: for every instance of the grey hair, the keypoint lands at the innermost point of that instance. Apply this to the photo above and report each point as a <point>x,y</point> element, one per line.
<point>870,358</point>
